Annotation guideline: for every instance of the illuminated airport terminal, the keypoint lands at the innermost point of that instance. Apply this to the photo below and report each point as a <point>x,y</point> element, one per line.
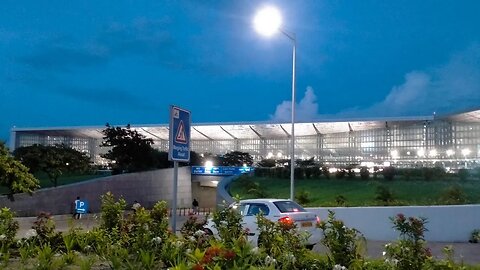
<point>451,141</point>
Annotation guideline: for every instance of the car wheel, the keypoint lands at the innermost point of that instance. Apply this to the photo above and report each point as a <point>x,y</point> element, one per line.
<point>310,247</point>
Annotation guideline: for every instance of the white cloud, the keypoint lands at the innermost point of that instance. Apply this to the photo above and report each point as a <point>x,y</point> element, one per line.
<point>448,88</point>
<point>306,109</point>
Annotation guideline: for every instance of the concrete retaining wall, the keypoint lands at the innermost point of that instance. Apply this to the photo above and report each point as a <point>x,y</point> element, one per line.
<point>145,187</point>
<point>445,223</point>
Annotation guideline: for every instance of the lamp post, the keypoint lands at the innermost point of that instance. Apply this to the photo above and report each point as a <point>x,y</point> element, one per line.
<point>268,22</point>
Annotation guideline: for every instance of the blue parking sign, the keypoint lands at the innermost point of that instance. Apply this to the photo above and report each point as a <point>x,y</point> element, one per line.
<point>179,135</point>
<point>81,207</point>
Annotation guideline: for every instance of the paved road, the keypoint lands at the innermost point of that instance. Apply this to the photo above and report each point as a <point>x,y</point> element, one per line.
<point>466,252</point>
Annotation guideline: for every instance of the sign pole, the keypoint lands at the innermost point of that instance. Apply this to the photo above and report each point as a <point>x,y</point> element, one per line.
<point>179,149</point>
<point>174,202</point>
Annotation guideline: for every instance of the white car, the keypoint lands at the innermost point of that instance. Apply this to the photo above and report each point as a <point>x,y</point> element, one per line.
<point>276,210</point>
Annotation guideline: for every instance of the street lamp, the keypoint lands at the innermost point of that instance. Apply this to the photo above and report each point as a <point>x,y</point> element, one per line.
<point>267,22</point>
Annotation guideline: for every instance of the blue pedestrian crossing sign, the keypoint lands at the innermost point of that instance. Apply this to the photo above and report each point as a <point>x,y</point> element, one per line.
<point>179,135</point>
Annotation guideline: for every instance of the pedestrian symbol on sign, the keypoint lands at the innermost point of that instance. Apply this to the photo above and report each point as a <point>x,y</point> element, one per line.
<point>181,137</point>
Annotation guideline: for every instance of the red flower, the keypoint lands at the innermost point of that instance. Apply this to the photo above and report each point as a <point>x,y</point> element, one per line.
<point>197,267</point>
<point>206,259</point>
<point>229,255</point>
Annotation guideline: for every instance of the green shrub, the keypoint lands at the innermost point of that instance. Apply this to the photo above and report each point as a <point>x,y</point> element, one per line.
<point>228,224</point>
<point>303,197</point>
<point>453,195</point>
<point>384,195</point>
<point>409,252</point>
<point>316,171</point>
<point>344,244</point>
<point>388,173</point>
<point>8,228</point>
<point>44,227</point>
<point>463,174</point>
<point>350,173</point>
<point>326,172</point>
<point>364,173</point>
<point>281,241</point>
<point>112,212</point>
<point>475,236</point>
<point>340,200</point>
<point>299,173</point>
<point>340,174</point>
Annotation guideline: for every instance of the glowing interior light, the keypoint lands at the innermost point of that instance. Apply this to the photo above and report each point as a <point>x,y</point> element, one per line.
<point>421,152</point>
<point>466,152</point>
<point>432,153</point>
<point>394,154</point>
<point>450,152</point>
<point>279,154</point>
<point>267,21</point>
<point>208,164</point>
<point>269,155</point>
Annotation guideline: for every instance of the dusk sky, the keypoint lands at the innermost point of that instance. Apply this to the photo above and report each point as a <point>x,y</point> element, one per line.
<point>86,63</point>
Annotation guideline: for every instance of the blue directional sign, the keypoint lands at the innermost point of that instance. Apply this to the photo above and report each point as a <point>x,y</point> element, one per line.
<point>220,170</point>
<point>81,207</point>
<point>179,136</point>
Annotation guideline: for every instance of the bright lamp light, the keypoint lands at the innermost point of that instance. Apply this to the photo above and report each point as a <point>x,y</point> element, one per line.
<point>466,152</point>
<point>208,164</point>
<point>267,21</point>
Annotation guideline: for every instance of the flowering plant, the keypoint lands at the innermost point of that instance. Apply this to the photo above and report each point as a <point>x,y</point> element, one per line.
<point>410,251</point>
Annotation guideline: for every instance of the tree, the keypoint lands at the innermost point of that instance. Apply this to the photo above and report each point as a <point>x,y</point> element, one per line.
<point>237,158</point>
<point>195,159</point>
<point>54,160</point>
<point>129,150</point>
<point>14,175</point>
<point>267,163</point>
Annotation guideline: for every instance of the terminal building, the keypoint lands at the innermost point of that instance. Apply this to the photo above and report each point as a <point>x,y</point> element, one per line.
<point>451,141</point>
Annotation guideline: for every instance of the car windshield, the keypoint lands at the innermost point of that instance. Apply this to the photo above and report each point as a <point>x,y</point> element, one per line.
<point>288,206</point>
<point>239,207</point>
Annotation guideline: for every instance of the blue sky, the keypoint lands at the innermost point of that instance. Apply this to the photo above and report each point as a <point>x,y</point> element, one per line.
<point>75,63</point>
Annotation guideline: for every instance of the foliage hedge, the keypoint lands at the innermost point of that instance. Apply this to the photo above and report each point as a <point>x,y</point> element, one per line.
<point>142,240</point>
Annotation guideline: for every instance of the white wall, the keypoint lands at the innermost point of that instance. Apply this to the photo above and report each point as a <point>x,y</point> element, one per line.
<point>445,223</point>
<point>146,187</point>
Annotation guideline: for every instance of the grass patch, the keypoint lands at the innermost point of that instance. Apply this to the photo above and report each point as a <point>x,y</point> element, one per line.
<point>357,192</point>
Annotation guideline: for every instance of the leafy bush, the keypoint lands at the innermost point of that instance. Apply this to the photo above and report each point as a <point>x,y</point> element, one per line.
<point>303,197</point>
<point>453,195</point>
<point>343,243</point>
<point>299,173</point>
<point>340,200</point>
<point>433,173</point>
<point>112,212</point>
<point>326,172</point>
<point>475,236</point>
<point>409,252</point>
<point>316,171</point>
<point>8,228</point>
<point>282,241</point>
<point>340,174</point>
<point>463,174</point>
<point>350,173</point>
<point>384,195</point>
<point>389,173</point>
<point>44,227</point>
<point>364,173</point>
<point>228,224</point>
